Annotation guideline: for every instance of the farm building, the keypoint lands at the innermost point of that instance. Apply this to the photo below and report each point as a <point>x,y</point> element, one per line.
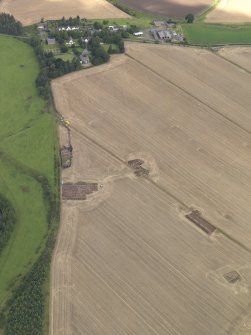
<point>158,23</point>
<point>164,35</point>
<point>170,24</point>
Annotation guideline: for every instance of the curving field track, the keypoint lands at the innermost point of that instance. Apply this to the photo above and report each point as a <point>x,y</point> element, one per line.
<point>231,11</point>
<point>31,11</point>
<point>127,260</point>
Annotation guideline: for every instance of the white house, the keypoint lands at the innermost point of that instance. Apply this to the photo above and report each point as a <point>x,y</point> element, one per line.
<point>138,34</point>
<point>70,43</point>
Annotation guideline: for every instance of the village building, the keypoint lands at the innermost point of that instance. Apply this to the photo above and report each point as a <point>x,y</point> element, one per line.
<point>84,58</point>
<point>51,41</point>
<point>113,28</point>
<point>84,40</point>
<point>138,34</point>
<point>68,28</point>
<point>70,43</point>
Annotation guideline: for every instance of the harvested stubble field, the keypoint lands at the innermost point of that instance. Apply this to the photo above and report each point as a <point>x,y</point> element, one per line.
<point>169,8</point>
<point>31,11</point>
<point>231,11</point>
<point>240,56</point>
<point>127,260</point>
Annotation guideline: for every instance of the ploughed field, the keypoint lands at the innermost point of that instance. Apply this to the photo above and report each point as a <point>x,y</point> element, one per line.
<point>169,8</point>
<point>31,11</point>
<point>135,257</point>
<point>231,11</point>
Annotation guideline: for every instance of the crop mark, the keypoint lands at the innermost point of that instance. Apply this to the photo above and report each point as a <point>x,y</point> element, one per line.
<point>196,218</point>
<point>188,93</point>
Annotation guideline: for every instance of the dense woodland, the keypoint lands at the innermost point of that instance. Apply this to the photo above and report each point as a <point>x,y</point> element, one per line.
<point>7,221</point>
<point>8,25</point>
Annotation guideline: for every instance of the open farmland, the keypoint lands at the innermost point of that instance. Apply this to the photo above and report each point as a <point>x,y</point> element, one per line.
<point>127,260</point>
<point>169,8</point>
<point>240,56</point>
<point>230,11</point>
<point>31,11</point>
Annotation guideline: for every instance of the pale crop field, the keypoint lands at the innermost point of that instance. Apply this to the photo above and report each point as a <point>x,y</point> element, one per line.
<point>31,11</point>
<point>127,260</point>
<point>240,56</point>
<point>231,11</point>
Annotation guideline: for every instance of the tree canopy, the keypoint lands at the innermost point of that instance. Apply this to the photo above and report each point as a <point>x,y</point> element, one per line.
<point>189,18</point>
<point>8,25</point>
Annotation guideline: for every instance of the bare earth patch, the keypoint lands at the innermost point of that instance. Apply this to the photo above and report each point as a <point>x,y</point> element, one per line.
<point>167,252</point>
<point>31,11</point>
<point>231,11</point>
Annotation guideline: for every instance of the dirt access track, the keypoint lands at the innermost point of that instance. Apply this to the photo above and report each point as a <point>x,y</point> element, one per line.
<point>231,11</point>
<point>169,8</point>
<point>31,11</point>
<point>127,260</point>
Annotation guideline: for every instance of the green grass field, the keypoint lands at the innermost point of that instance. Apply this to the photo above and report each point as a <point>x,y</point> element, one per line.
<point>213,34</point>
<point>28,143</point>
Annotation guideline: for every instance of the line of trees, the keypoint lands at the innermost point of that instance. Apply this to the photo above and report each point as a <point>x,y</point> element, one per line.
<point>71,21</point>
<point>50,67</point>
<point>8,25</point>
<point>7,221</point>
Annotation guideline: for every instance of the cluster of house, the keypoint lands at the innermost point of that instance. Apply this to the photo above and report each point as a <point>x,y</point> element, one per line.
<point>69,43</point>
<point>69,28</point>
<point>117,28</point>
